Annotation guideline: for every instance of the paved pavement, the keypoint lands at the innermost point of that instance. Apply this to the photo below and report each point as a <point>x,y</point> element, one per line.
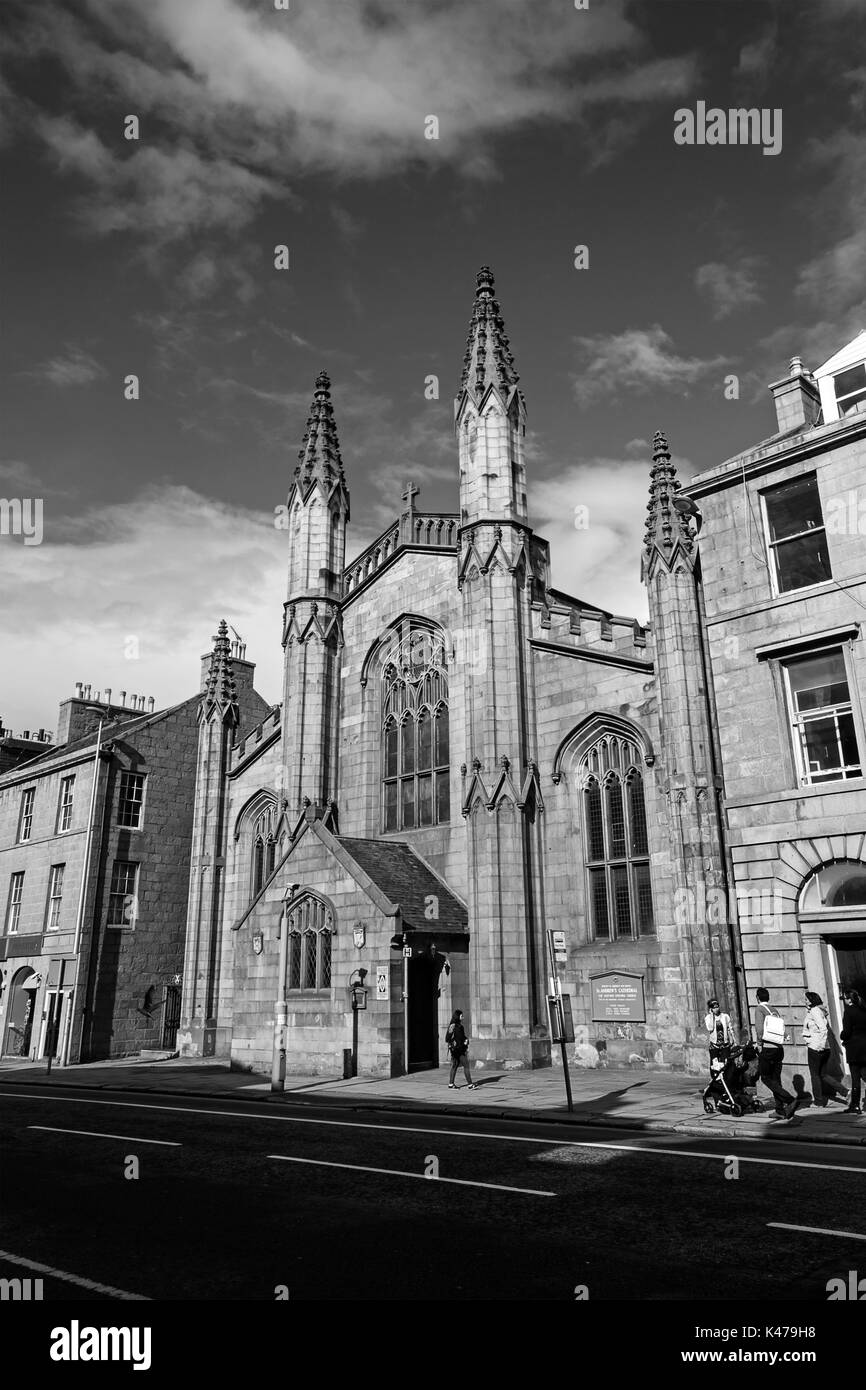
<point>619,1097</point>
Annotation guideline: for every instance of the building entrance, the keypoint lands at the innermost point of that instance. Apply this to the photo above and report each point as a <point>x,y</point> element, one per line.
<point>20,1014</point>
<point>423,1013</point>
<point>851,962</point>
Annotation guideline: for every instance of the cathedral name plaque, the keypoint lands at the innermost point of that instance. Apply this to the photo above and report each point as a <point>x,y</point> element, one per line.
<point>617,997</point>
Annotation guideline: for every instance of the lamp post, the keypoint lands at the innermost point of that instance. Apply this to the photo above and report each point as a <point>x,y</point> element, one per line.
<point>281,1011</point>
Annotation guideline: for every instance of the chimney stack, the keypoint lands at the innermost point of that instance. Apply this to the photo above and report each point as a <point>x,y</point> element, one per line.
<point>796,398</point>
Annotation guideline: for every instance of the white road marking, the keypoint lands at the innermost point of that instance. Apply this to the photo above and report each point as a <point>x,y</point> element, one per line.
<point>455,1133</point>
<point>73,1278</point>
<point>95,1134</point>
<point>817,1230</point>
<point>400,1173</point>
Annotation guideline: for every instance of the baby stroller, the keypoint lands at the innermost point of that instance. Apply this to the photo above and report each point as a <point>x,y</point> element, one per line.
<point>733,1078</point>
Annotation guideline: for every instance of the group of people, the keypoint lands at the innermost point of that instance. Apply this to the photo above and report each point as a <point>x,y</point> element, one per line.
<point>769,1034</point>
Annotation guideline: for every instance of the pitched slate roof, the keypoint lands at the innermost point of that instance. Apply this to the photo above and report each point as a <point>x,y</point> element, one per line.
<point>406,879</point>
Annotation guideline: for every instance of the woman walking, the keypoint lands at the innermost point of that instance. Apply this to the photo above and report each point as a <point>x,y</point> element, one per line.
<point>816,1036</point>
<point>458,1045</point>
<point>853,1036</point>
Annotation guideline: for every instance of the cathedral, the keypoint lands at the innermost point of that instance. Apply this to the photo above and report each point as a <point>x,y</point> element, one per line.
<point>479,790</point>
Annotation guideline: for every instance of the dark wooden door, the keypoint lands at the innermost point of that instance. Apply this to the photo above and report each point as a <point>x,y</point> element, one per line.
<point>851,962</point>
<point>171,1017</point>
<point>423,1038</point>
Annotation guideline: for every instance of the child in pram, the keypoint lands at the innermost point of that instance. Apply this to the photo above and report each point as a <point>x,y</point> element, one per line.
<point>733,1068</point>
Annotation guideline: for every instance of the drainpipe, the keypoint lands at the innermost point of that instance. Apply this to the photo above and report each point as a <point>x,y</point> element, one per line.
<point>79,921</point>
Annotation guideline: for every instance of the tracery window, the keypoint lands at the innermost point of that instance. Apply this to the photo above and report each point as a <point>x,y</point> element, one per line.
<point>616,844</point>
<point>415,742</point>
<point>310,924</point>
<point>264,848</point>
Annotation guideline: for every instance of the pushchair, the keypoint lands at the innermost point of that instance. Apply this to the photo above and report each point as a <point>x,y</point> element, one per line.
<point>733,1078</point>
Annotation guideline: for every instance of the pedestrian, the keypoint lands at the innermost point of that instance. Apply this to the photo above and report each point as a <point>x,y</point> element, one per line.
<point>816,1036</point>
<point>853,1035</point>
<point>719,1026</point>
<point>458,1045</point>
<point>771,1054</point>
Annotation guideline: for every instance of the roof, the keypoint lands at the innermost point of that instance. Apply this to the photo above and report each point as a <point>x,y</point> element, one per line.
<point>407,879</point>
<point>57,753</point>
<point>851,353</point>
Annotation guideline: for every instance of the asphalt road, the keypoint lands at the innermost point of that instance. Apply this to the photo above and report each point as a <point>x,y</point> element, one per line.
<point>234,1200</point>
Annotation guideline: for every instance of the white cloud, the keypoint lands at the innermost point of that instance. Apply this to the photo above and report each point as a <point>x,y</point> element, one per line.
<point>599,563</point>
<point>638,359</point>
<point>72,367</point>
<point>263,95</point>
<point>729,288</point>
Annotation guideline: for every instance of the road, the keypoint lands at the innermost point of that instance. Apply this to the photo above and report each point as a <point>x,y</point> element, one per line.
<point>235,1200</point>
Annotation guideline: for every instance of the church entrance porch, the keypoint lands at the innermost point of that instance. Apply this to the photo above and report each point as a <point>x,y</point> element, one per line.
<point>423,1013</point>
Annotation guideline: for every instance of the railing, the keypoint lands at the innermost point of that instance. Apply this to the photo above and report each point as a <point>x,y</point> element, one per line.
<point>433,529</point>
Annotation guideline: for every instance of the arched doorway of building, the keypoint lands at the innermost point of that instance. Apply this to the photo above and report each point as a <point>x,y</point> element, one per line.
<point>20,1013</point>
<point>832,915</point>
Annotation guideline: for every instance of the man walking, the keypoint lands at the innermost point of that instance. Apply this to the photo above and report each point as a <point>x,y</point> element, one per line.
<point>771,1054</point>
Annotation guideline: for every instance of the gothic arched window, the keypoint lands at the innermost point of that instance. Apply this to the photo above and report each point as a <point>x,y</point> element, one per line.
<point>264,847</point>
<point>310,925</point>
<point>415,747</point>
<point>616,844</point>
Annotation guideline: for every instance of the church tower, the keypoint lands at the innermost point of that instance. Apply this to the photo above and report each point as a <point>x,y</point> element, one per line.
<point>697,870</point>
<point>318,511</point>
<point>502,799</point>
<point>218,717</point>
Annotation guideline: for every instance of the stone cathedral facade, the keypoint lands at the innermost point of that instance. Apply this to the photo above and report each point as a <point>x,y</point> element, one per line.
<point>466,760</point>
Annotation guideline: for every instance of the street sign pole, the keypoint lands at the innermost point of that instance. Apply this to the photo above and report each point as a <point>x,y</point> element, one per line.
<point>556,1002</point>
<point>407,951</point>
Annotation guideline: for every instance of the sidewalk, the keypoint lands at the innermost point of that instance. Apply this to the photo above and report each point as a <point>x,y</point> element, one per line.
<point>648,1101</point>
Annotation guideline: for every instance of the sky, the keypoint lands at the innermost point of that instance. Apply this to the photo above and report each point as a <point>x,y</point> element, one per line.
<point>310,127</point>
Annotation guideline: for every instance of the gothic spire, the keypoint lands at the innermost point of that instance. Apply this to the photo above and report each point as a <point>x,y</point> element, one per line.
<point>220,691</point>
<point>319,454</point>
<point>488,359</point>
<point>666,523</point>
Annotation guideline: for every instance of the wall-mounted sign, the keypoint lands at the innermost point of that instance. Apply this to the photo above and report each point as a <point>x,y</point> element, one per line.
<point>383,991</point>
<point>258,943</point>
<point>618,997</point>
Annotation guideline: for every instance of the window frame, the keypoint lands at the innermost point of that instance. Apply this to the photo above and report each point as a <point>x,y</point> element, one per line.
<point>796,722</point>
<point>409,693</point>
<point>54,900</point>
<point>25,813</point>
<point>309,915</point>
<point>64,805</point>
<point>114,893</point>
<point>859,391</point>
<point>13,904</point>
<point>771,545</point>
<point>142,778</point>
<point>614,867</point>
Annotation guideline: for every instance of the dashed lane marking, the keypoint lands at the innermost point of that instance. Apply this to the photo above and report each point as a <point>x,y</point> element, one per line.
<point>817,1230</point>
<point>401,1173</point>
<point>73,1278</point>
<point>96,1134</point>
<point>648,1149</point>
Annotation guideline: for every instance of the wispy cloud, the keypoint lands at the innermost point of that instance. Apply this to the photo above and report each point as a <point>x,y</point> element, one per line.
<point>729,288</point>
<point>638,359</point>
<point>71,367</point>
<point>265,95</point>
<point>599,561</point>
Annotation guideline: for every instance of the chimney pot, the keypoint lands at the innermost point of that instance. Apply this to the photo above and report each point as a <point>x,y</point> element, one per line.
<point>107,695</point>
<point>150,704</point>
<point>79,690</point>
<point>123,698</point>
<point>26,734</point>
